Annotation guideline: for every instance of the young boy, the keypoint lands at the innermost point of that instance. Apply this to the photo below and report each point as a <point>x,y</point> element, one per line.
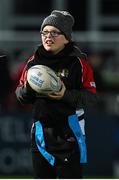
<point>58,144</point>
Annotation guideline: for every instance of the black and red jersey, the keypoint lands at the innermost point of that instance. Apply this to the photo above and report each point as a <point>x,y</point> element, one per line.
<point>73,69</point>
<point>76,73</point>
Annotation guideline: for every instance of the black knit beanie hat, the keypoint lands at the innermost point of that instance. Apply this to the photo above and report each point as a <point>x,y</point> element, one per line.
<point>62,20</point>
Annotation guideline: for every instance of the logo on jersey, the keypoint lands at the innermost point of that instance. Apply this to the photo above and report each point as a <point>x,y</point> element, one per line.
<point>63,73</point>
<point>92,84</point>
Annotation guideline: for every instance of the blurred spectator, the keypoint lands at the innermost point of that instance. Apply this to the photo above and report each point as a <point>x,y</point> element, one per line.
<point>9,82</point>
<point>6,81</point>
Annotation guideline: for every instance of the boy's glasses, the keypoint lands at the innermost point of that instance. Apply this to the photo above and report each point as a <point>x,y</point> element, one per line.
<point>52,33</point>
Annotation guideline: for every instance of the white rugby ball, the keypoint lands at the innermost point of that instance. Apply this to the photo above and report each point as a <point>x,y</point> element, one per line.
<point>43,79</point>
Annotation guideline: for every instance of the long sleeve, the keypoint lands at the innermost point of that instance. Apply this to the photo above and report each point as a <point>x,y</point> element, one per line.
<point>25,94</point>
<point>23,91</point>
<point>80,99</point>
<point>86,96</point>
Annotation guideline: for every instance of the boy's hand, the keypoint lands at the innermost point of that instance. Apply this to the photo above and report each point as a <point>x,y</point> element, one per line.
<point>58,95</point>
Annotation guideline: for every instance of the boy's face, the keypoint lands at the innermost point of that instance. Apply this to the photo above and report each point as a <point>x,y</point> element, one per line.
<point>52,39</point>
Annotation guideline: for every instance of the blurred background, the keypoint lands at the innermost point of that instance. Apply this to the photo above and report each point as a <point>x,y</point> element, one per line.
<point>97,32</point>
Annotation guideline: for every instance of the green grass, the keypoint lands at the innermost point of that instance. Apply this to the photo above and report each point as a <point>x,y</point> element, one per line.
<point>16,177</point>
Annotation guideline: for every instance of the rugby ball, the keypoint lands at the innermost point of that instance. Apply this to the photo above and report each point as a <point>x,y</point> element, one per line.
<point>43,79</point>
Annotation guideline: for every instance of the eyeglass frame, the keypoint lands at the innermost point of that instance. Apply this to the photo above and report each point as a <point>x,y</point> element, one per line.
<point>54,34</point>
